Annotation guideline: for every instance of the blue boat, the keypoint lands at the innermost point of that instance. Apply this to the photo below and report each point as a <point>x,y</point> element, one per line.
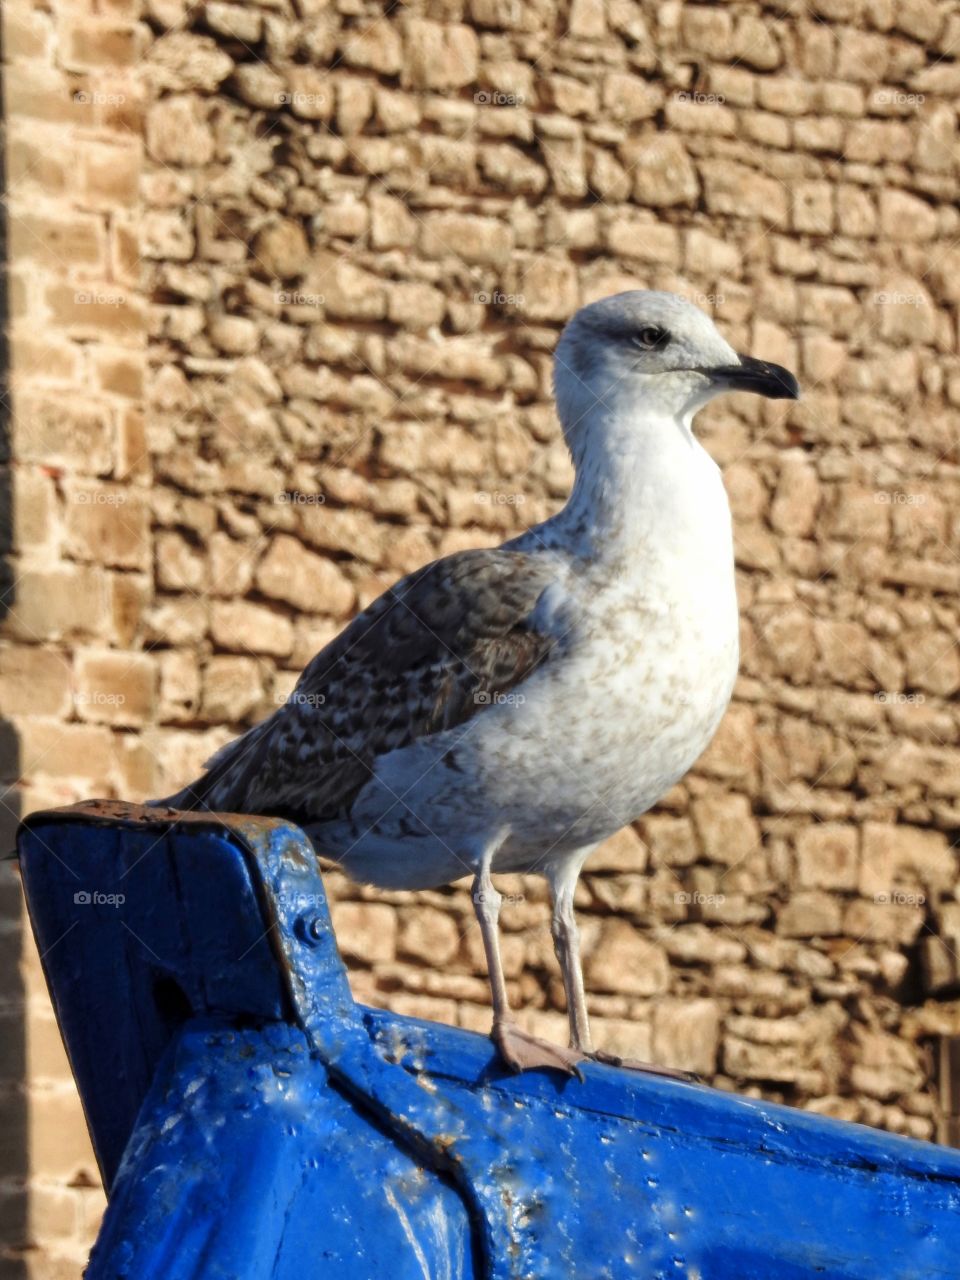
<point>252,1122</point>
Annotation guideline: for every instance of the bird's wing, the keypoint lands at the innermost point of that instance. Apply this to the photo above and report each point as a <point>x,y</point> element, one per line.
<point>433,651</point>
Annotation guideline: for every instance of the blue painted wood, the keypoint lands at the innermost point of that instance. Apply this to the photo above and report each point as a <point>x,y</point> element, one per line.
<point>252,1121</point>
<point>263,1168</point>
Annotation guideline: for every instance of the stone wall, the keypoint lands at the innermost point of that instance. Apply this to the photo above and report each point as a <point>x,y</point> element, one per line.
<point>360,232</point>
<point>77,521</point>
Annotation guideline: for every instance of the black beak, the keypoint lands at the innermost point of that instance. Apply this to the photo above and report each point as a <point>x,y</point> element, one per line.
<point>770,380</point>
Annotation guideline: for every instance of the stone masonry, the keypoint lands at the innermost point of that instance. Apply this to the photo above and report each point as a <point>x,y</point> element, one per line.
<point>284,281</point>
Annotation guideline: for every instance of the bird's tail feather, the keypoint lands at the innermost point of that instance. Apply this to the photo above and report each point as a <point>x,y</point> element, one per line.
<point>225,786</point>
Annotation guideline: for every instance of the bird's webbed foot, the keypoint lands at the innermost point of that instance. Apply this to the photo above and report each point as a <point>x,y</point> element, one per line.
<point>649,1068</point>
<point>521,1051</point>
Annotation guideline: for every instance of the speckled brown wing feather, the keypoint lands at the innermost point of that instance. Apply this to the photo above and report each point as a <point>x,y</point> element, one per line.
<point>429,654</point>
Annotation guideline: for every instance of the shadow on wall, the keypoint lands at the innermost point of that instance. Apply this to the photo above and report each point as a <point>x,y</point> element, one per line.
<point>13,1102</point>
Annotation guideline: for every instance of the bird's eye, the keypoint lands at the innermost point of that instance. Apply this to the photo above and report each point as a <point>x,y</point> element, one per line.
<point>650,337</point>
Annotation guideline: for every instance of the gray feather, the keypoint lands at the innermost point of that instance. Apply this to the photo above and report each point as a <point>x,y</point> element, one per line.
<point>410,665</point>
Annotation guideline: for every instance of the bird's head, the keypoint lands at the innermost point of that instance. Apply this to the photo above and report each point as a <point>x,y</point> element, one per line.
<point>655,353</point>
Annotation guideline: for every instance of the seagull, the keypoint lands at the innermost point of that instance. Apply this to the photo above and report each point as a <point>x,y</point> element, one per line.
<point>507,710</point>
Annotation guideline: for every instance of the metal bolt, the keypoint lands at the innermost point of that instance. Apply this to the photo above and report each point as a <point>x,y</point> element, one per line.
<point>309,929</point>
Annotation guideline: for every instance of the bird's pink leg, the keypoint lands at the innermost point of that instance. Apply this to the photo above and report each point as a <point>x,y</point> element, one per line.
<point>566,942</point>
<point>519,1050</point>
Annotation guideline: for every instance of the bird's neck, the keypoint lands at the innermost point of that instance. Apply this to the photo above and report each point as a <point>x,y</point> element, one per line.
<point>637,482</point>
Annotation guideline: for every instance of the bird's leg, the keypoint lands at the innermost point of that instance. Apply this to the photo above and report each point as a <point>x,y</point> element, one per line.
<point>486,903</point>
<point>519,1050</point>
<point>566,943</point>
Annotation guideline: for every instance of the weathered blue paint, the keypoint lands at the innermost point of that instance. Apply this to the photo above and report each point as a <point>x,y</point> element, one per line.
<point>247,1161</point>
<point>252,1121</point>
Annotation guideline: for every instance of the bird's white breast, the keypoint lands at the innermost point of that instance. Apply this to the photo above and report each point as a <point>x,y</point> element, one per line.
<point>649,661</point>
